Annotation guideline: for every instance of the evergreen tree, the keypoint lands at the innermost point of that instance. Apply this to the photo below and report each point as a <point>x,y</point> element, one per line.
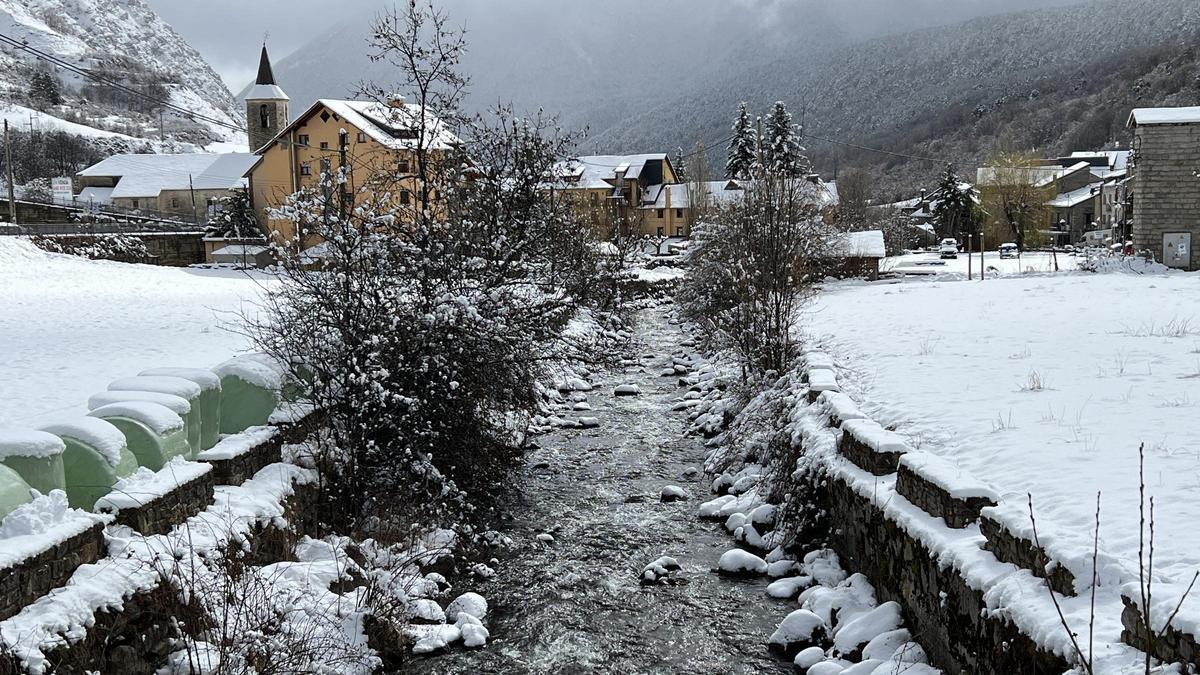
<point>955,213</point>
<point>234,218</point>
<point>44,90</point>
<point>782,154</point>
<point>743,149</point>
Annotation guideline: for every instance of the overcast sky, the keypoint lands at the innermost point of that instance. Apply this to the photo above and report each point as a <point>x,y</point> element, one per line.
<point>229,33</point>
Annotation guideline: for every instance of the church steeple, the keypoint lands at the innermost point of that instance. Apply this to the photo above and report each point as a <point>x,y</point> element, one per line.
<point>265,75</point>
<point>266,105</point>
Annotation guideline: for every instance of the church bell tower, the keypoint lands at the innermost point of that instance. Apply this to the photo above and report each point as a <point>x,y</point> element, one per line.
<point>266,106</point>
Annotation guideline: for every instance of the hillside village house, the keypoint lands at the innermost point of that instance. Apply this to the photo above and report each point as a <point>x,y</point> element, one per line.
<point>642,192</point>
<point>645,194</point>
<point>1087,207</point>
<point>1165,186</point>
<point>178,185</point>
<point>372,141</point>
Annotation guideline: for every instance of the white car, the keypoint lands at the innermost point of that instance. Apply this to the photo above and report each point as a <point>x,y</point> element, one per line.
<point>1008,251</point>
<point>948,248</point>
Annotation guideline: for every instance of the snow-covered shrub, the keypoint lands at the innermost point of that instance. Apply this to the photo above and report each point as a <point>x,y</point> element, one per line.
<point>118,247</point>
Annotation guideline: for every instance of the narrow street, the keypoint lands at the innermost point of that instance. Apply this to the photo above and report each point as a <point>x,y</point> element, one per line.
<point>575,605</point>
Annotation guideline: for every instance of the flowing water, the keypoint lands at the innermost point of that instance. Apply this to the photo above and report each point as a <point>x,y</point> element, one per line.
<point>575,605</point>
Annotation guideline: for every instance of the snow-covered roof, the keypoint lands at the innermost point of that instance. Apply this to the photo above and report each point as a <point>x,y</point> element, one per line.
<point>97,195</point>
<point>1151,116</point>
<point>392,126</point>
<point>867,244</point>
<point>1075,197</point>
<point>989,175</point>
<point>266,92</point>
<point>599,172</point>
<point>148,175</point>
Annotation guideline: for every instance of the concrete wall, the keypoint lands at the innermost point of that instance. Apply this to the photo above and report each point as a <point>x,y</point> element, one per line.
<point>1166,189</point>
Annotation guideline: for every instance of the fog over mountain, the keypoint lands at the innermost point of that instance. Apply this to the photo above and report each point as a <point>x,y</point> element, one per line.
<point>659,76</point>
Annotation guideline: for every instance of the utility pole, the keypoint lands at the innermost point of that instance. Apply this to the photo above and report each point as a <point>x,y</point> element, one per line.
<point>192,190</point>
<point>162,132</point>
<point>8,165</point>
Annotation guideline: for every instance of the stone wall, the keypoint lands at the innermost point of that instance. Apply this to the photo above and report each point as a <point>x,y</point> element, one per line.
<point>25,582</point>
<point>957,513</point>
<point>1166,190</point>
<point>169,249</point>
<point>939,606</point>
<point>159,515</point>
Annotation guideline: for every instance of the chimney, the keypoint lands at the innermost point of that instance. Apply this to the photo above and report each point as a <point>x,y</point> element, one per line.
<point>922,194</point>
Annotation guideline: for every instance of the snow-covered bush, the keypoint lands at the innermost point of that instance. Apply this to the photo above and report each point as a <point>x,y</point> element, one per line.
<point>118,247</point>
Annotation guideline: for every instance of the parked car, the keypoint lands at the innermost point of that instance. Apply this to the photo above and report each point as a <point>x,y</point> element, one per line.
<point>1009,250</point>
<point>948,248</point>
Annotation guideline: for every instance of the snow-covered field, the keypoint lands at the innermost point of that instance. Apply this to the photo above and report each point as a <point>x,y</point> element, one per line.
<point>993,264</point>
<point>69,326</point>
<point>1045,385</point>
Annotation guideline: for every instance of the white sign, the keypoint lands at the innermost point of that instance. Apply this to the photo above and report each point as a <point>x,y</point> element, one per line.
<point>63,189</point>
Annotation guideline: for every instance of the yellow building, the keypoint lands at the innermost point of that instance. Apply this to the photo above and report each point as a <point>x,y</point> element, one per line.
<point>641,193</point>
<point>368,143</point>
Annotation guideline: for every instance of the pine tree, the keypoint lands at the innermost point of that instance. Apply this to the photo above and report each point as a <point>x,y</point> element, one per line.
<point>234,218</point>
<point>955,213</point>
<point>783,155</point>
<point>44,90</point>
<point>743,149</point>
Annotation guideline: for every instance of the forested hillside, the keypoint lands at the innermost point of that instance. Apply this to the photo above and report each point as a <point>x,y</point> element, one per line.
<point>662,77</point>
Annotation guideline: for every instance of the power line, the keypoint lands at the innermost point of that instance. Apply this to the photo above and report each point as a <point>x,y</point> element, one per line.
<point>875,150</point>
<point>190,114</point>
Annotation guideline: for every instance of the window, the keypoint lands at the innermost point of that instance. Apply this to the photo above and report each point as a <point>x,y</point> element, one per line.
<point>264,116</point>
<point>595,198</point>
<point>362,137</point>
<point>402,165</point>
<point>174,202</point>
<point>678,213</point>
<point>324,145</point>
<point>137,204</point>
<point>660,232</point>
<point>303,140</point>
<point>678,231</point>
<point>661,213</point>
<point>306,169</point>
<point>405,197</point>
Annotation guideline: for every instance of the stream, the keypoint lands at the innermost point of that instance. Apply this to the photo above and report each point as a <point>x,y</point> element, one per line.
<point>575,605</point>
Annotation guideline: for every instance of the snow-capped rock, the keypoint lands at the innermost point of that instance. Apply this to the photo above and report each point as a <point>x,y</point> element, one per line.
<point>672,493</point>
<point>799,630</point>
<point>741,563</point>
<point>469,603</point>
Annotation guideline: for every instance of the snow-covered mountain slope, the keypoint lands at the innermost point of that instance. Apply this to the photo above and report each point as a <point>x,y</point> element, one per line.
<point>123,40</point>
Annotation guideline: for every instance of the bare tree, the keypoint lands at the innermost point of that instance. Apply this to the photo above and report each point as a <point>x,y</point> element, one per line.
<point>1014,199</point>
<point>854,198</point>
<point>752,269</point>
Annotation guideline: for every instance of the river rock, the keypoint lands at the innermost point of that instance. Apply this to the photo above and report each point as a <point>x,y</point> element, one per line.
<point>672,493</point>
<point>628,390</point>
<point>427,611</point>
<point>469,603</point>
<point>736,562</point>
<point>799,630</point>
<point>589,422</point>
<point>474,633</point>
<point>659,571</point>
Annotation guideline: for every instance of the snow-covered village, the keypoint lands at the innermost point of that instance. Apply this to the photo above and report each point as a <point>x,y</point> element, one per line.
<point>825,337</point>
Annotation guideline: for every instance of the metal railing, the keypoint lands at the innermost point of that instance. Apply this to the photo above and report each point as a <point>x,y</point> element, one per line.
<point>103,219</point>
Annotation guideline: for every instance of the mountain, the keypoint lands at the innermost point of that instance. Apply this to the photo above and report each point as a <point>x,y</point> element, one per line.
<point>662,75</point>
<point>124,41</point>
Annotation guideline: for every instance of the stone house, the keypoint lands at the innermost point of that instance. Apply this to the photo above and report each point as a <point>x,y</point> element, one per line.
<point>1164,187</point>
<point>182,185</point>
